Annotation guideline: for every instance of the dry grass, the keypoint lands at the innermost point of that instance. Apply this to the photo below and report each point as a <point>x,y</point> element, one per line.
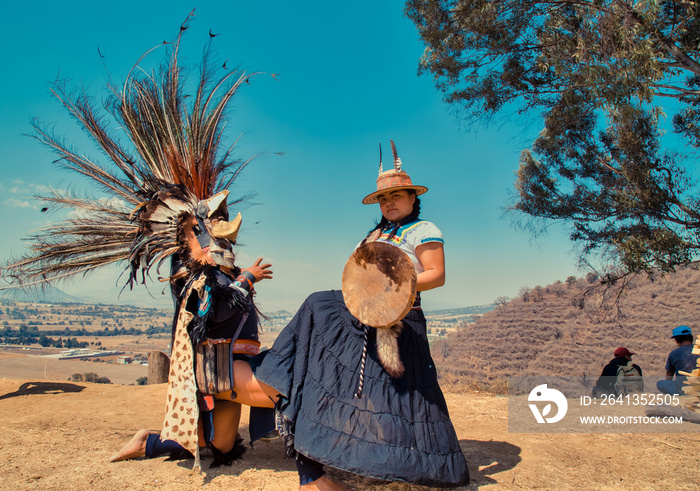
<point>60,435</point>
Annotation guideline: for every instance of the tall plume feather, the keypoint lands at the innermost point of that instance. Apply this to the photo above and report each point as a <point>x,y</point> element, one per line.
<point>397,160</point>
<point>170,142</point>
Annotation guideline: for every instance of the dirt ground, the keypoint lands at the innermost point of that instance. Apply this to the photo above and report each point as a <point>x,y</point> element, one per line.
<point>51,369</point>
<point>59,435</point>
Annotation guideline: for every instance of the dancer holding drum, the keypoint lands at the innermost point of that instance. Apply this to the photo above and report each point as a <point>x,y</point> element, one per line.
<point>358,387</point>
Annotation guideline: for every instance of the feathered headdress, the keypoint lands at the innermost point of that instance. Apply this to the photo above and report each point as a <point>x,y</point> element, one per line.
<point>169,165</point>
<point>166,190</point>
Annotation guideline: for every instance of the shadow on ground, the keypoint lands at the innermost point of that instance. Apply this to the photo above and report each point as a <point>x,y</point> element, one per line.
<point>39,388</point>
<point>486,458</point>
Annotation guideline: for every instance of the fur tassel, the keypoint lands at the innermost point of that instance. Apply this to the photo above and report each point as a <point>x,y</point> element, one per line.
<point>230,457</point>
<point>388,349</point>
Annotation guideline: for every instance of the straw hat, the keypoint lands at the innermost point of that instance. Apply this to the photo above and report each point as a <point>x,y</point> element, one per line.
<point>392,179</point>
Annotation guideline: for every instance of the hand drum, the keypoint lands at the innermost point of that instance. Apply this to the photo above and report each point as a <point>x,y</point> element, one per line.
<point>379,284</point>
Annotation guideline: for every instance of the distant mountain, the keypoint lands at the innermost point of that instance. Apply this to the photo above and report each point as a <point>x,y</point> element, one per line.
<point>279,313</point>
<point>49,294</point>
<point>474,309</point>
<point>571,329</point>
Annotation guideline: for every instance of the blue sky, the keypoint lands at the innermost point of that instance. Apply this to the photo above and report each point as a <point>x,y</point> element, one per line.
<point>346,79</point>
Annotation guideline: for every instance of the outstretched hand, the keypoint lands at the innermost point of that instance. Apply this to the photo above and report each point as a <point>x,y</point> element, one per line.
<point>260,271</point>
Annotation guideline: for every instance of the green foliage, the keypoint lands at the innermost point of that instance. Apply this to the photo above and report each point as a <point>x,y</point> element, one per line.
<point>591,277</point>
<point>94,378</point>
<point>485,54</point>
<point>89,377</point>
<point>596,72</point>
<point>142,381</point>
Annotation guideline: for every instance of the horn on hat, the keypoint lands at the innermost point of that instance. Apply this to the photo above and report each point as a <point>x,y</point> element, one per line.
<point>381,169</point>
<point>397,160</point>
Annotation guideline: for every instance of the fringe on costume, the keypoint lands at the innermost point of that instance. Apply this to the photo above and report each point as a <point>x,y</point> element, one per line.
<point>285,426</point>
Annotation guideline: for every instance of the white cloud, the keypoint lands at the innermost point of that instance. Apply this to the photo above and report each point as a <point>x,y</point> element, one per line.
<point>24,188</point>
<point>21,203</point>
<point>18,187</point>
<point>40,188</point>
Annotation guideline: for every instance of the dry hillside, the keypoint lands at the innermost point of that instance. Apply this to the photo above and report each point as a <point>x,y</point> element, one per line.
<point>571,329</point>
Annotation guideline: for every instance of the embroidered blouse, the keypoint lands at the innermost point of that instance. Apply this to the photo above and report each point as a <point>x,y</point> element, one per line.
<point>411,235</point>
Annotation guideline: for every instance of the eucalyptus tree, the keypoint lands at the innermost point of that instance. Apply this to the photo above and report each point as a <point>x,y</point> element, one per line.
<point>615,86</point>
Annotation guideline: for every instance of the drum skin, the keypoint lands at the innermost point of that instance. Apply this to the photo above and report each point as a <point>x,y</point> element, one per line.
<point>379,284</point>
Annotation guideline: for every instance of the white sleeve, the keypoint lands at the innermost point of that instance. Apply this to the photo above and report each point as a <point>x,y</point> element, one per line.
<point>426,232</point>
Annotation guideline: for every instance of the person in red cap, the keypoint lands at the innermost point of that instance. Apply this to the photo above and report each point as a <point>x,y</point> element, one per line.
<point>608,381</point>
